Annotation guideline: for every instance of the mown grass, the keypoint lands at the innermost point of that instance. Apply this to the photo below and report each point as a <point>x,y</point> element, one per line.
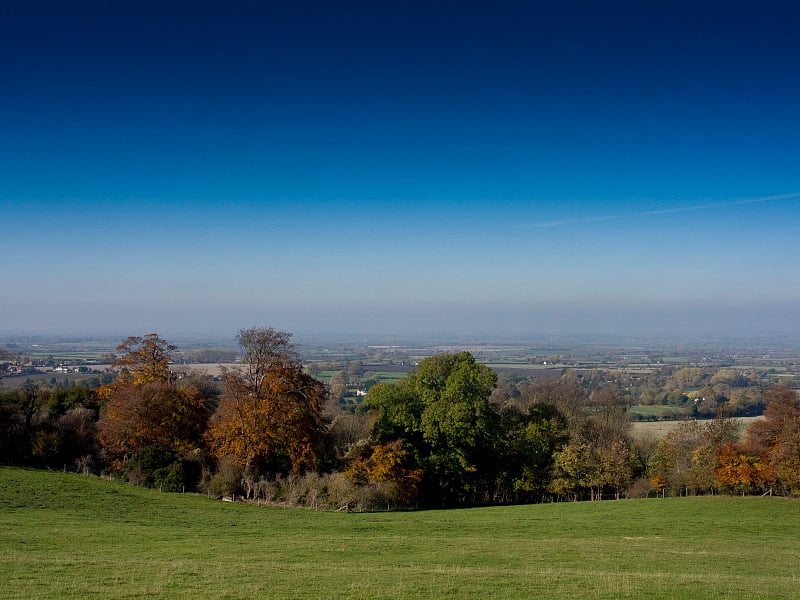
<point>646,409</point>
<point>389,376</point>
<point>65,536</point>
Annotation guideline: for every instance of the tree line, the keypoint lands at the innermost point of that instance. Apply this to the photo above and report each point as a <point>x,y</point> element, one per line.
<point>444,435</point>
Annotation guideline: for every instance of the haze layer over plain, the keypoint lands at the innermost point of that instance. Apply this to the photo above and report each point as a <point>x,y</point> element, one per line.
<point>365,168</point>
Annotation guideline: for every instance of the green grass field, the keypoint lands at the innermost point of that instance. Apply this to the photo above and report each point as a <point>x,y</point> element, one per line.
<point>18,382</point>
<point>646,409</point>
<point>389,376</point>
<point>67,536</point>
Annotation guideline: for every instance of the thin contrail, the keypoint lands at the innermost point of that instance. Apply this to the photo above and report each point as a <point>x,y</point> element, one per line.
<point>665,211</point>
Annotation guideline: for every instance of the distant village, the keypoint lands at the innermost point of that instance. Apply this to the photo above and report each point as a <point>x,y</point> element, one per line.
<point>34,366</point>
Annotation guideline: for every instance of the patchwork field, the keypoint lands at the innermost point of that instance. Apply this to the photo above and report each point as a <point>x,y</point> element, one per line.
<point>658,429</point>
<point>64,535</point>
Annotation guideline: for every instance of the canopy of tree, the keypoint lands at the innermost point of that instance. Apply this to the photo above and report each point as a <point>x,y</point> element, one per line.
<point>144,359</point>
<point>270,414</point>
<point>469,450</point>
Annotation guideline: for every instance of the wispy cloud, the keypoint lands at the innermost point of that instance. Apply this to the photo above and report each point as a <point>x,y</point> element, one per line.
<point>665,211</point>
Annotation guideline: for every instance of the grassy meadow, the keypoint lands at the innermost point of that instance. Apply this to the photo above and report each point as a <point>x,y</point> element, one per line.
<point>68,536</point>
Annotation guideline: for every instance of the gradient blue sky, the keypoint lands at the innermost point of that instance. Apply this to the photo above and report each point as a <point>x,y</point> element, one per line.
<point>397,168</point>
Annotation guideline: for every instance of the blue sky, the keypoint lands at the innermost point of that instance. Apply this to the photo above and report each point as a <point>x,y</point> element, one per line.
<point>400,169</point>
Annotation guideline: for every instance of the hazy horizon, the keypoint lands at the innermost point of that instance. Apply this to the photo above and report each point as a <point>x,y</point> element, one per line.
<point>361,169</point>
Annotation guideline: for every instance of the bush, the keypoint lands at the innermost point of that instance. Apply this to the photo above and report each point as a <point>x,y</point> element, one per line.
<point>157,468</point>
<point>640,488</point>
<point>227,481</point>
<point>331,491</point>
<point>171,478</point>
<point>340,492</point>
<point>377,495</point>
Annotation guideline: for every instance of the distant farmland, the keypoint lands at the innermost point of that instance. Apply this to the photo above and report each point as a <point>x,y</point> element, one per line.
<point>658,429</point>
<point>212,369</point>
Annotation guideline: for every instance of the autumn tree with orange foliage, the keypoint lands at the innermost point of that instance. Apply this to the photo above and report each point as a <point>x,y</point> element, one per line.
<point>776,440</point>
<point>736,470</point>
<point>145,409</point>
<point>782,406</point>
<point>270,414</point>
<point>144,360</point>
<point>156,413</point>
<point>387,463</point>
